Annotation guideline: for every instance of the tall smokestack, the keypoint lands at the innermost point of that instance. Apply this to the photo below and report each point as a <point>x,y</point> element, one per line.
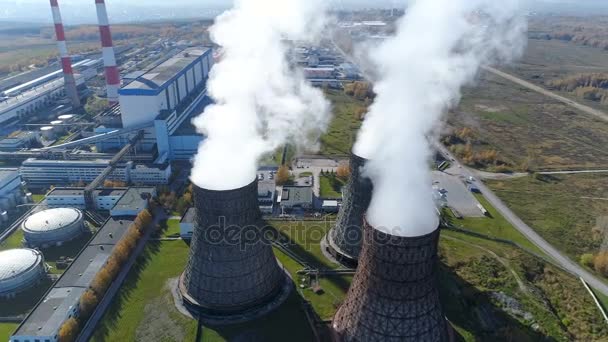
<point>109,59</point>
<point>232,274</point>
<point>66,60</point>
<point>345,238</point>
<point>394,295</point>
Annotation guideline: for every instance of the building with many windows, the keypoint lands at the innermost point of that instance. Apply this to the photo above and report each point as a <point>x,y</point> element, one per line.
<point>44,173</point>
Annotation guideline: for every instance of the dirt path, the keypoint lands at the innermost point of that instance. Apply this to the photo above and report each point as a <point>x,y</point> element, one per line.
<point>586,109</point>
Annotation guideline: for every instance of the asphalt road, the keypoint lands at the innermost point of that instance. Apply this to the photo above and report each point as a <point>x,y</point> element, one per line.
<point>526,230</point>
<point>586,109</point>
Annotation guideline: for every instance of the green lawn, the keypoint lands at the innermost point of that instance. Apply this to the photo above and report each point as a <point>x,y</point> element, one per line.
<point>37,198</point>
<point>564,209</point>
<point>304,238</point>
<point>172,229</point>
<point>13,241</point>
<point>495,226</point>
<point>145,309</point>
<point>331,186</point>
<point>341,133</point>
<point>6,330</point>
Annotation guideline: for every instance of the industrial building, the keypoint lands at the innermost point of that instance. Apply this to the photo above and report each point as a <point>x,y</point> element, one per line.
<point>43,173</point>
<point>104,199</point>
<point>53,227</point>
<point>134,201</point>
<point>19,140</point>
<point>232,277</point>
<point>345,238</point>
<point>12,109</point>
<point>62,301</point>
<point>394,295</point>
<point>20,269</point>
<point>10,189</point>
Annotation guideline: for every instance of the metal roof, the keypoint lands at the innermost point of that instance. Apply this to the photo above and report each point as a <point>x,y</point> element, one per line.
<point>158,78</point>
<point>52,219</point>
<point>14,262</point>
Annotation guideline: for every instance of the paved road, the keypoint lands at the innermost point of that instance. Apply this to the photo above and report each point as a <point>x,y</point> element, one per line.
<point>586,109</point>
<point>572,172</point>
<point>522,227</point>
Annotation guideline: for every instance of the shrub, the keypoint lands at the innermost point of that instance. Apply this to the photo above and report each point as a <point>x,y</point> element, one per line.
<point>88,303</point>
<point>69,330</point>
<point>587,260</point>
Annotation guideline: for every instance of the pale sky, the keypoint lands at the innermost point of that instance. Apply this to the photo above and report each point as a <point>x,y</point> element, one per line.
<point>83,11</point>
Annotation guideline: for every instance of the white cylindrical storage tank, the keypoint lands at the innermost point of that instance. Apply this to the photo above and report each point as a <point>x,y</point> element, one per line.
<point>66,118</point>
<point>58,126</point>
<point>53,227</point>
<point>20,269</point>
<point>47,132</point>
<point>3,216</point>
<point>29,197</point>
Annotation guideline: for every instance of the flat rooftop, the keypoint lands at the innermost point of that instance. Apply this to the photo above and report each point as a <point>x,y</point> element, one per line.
<point>132,199</point>
<point>7,175</point>
<point>112,231</point>
<point>159,77</point>
<point>51,310</point>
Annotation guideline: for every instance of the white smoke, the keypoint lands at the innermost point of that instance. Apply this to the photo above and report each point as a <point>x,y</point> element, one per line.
<point>260,102</point>
<point>439,47</point>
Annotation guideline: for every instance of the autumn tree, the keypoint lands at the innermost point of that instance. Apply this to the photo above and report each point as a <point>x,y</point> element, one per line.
<point>102,281</point>
<point>69,330</point>
<point>343,172</point>
<point>600,263</point>
<point>88,303</point>
<point>283,175</point>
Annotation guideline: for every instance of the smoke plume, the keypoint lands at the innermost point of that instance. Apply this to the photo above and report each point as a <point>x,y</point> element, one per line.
<point>438,48</point>
<point>260,101</point>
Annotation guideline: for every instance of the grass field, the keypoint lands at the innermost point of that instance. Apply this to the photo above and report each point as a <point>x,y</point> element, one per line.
<point>172,229</point>
<point>494,225</point>
<point>6,330</point>
<point>145,311</point>
<point>341,133</point>
<point>476,270</point>
<point>547,60</point>
<point>563,209</point>
<point>331,186</point>
<point>528,130</point>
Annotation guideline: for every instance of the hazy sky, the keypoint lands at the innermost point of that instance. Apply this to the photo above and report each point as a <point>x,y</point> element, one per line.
<point>82,11</point>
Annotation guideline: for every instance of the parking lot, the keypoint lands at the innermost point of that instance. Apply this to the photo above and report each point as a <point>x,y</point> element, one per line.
<point>457,194</point>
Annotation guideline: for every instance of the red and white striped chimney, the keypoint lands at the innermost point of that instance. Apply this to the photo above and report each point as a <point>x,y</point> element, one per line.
<point>109,59</point>
<point>66,60</point>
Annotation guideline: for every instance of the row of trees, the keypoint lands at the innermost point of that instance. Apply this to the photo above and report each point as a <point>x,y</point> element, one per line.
<point>105,276</point>
<point>593,87</point>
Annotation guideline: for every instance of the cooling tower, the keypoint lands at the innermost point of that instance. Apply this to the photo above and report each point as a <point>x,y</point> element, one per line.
<point>344,240</point>
<point>394,295</point>
<point>232,274</point>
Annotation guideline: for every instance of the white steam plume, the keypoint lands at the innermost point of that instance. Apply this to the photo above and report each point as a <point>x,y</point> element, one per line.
<point>260,102</point>
<point>438,48</point>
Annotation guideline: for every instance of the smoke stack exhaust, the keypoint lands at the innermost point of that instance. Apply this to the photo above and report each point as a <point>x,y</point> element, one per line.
<point>232,274</point>
<point>345,238</point>
<point>66,60</point>
<point>394,295</point>
<point>109,58</point>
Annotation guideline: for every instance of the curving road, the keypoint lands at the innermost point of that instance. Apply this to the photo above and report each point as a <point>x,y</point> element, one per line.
<point>526,230</point>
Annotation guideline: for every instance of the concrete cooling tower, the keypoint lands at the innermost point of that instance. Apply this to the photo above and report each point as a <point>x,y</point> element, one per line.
<point>232,275</point>
<point>344,240</point>
<point>394,295</point>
